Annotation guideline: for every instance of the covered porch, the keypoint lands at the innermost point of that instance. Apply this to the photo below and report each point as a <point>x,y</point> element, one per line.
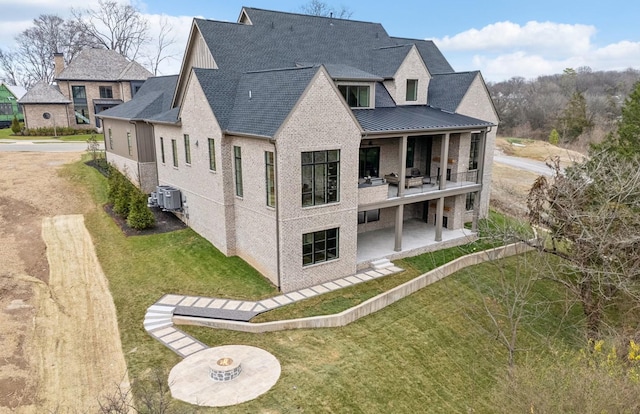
<point>417,237</point>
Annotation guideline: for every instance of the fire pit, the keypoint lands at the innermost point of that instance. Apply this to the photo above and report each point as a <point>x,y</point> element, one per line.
<point>224,369</point>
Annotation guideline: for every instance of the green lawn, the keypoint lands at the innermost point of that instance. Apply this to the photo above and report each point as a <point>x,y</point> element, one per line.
<point>6,133</point>
<point>426,353</point>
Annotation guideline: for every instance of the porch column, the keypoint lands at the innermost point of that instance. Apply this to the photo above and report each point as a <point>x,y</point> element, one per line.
<point>403,165</point>
<point>481,153</point>
<point>439,215</point>
<point>476,211</point>
<point>444,158</point>
<point>399,219</point>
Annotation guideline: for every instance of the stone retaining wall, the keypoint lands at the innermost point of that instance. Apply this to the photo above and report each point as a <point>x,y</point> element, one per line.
<point>369,306</point>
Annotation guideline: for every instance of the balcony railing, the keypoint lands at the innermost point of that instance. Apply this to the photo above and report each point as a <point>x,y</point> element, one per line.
<point>380,190</point>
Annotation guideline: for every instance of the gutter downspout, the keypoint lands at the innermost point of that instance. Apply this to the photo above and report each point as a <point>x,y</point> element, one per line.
<point>275,170</point>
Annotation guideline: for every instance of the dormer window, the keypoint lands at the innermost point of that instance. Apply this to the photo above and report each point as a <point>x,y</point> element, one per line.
<point>357,96</point>
<point>412,90</point>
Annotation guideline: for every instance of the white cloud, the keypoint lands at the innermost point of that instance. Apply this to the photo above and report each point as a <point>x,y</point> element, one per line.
<point>503,50</point>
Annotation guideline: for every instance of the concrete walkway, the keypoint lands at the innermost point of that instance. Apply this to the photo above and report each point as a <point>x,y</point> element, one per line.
<point>158,319</point>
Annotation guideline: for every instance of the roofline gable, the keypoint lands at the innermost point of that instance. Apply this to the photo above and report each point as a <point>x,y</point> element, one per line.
<point>321,70</point>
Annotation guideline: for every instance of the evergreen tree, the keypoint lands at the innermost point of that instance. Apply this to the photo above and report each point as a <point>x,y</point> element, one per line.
<point>15,125</point>
<point>140,216</point>
<point>626,140</point>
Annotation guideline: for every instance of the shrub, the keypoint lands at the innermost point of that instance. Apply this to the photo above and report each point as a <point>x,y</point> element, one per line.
<point>123,198</point>
<point>48,131</point>
<point>140,217</point>
<point>15,125</point>
<point>554,137</point>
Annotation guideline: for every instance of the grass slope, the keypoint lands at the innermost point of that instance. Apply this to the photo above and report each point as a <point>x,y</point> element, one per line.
<point>429,352</point>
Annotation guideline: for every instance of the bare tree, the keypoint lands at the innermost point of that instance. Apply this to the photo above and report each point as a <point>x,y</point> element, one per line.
<point>590,215</point>
<point>116,26</point>
<point>163,42</point>
<point>32,61</point>
<point>320,8</point>
<point>9,70</point>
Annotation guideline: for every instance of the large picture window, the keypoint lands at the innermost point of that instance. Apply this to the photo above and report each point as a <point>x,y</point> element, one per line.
<point>270,178</point>
<point>319,246</point>
<point>80,107</point>
<point>357,96</point>
<point>320,177</point>
<point>237,155</point>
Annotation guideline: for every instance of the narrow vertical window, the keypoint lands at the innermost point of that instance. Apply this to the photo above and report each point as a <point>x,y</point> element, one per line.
<point>174,150</point>
<point>237,155</point>
<point>412,90</point>
<point>162,149</point>
<point>474,151</point>
<point>212,154</point>
<point>270,177</point>
<point>110,139</point>
<point>129,141</point>
<point>187,149</point>
<point>470,201</point>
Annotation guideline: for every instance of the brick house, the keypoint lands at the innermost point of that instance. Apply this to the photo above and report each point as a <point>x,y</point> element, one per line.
<point>312,146</point>
<point>95,80</point>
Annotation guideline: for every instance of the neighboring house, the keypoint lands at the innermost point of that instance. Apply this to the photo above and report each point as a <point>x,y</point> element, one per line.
<point>9,95</point>
<point>94,81</point>
<point>312,146</point>
<point>129,139</point>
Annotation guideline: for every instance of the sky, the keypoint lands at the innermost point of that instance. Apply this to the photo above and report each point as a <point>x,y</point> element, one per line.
<point>502,39</point>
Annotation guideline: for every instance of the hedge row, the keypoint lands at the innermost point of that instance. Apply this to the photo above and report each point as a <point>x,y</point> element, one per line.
<point>61,131</point>
<point>128,201</point>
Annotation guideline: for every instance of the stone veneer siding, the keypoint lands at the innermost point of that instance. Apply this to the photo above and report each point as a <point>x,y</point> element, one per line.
<point>33,115</point>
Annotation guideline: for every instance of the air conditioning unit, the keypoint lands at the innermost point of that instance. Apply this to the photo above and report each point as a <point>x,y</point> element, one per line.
<point>159,195</point>
<point>172,199</point>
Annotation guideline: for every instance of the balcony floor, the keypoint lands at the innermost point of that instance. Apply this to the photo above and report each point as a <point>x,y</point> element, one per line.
<point>417,237</point>
<point>426,188</point>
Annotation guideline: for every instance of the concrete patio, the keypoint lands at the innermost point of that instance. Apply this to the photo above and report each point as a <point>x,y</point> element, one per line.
<point>417,237</point>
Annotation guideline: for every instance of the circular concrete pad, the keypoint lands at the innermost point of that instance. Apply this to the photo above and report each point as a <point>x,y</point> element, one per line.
<point>189,380</point>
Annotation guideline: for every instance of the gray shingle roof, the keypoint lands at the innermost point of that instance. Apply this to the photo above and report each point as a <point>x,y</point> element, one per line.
<point>251,57</point>
<point>278,40</point>
<point>433,58</point>
<point>413,118</point>
<point>103,65</point>
<point>264,99</point>
<point>43,93</point>
<point>154,97</point>
<point>447,90</point>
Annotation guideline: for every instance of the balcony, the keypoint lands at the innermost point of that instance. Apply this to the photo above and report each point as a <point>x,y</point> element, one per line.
<point>381,190</point>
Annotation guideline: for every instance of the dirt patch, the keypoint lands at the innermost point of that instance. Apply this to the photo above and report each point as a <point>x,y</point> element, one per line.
<point>510,186</point>
<point>35,312</point>
<point>536,150</point>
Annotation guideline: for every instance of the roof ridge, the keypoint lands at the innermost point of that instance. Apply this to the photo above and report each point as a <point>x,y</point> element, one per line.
<point>310,15</point>
<point>283,69</point>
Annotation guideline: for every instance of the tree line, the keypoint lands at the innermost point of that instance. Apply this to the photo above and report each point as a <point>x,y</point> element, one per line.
<point>109,25</point>
<point>581,105</point>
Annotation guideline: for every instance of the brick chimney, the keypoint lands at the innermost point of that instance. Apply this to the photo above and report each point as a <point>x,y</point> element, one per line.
<point>58,64</point>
